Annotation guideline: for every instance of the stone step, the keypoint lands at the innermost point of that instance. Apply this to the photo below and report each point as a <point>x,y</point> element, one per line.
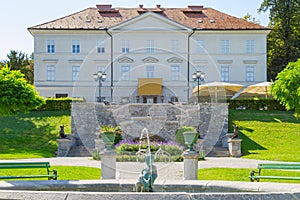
<point>218,152</point>
<point>79,151</point>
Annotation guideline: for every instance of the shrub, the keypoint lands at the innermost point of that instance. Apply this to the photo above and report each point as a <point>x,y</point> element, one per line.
<point>52,104</point>
<point>255,104</point>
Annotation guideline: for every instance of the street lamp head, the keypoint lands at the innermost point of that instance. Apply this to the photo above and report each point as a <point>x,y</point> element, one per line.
<point>100,73</point>
<point>198,75</point>
<point>99,76</point>
<point>194,76</point>
<point>202,75</point>
<point>95,76</point>
<point>103,76</point>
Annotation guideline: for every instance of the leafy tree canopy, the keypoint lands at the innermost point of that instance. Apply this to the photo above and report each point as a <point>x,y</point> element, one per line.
<point>283,41</point>
<point>248,17</point>
<point>17,60</point>
<point>16,94</point>
<point>286,87</point>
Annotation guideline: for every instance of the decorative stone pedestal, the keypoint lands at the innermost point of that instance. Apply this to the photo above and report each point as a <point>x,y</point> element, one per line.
<point>234,146</point>
<point>108,164</point>
<point>190,169</point>
<point>99,144</point>
<point>64,146</point>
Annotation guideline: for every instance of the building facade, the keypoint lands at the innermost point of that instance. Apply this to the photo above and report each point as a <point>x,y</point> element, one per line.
<point>147,54</point>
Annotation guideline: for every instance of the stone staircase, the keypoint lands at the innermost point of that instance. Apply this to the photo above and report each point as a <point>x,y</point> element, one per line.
<point>218,152</point>
<point>79,150</point>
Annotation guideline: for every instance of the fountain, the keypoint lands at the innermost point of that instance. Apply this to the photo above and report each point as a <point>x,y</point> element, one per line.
<point>148,174</point>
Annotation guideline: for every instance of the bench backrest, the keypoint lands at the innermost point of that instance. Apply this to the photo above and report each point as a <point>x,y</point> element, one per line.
<point>292,166</point>
<point>20,165</point>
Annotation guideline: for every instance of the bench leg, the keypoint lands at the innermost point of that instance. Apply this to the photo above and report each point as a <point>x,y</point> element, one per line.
<point>252,173</point>
<point>54,173</point>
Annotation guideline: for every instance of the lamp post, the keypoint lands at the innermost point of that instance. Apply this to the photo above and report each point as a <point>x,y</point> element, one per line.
<point>198,76</point>
<point>99,76</point>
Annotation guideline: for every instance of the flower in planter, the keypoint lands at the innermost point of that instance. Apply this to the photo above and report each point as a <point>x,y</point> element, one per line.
<point>110,135</point>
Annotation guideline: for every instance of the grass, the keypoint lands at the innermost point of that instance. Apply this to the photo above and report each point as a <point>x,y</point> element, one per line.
<point>240,174</point>
<point>32,135</point>
<point>268,135</point>
<point>64,172</point>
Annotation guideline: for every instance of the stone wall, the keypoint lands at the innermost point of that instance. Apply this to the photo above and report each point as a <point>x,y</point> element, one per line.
<point>160,119</point>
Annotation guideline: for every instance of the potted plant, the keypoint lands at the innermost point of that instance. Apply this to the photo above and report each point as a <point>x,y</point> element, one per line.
<point>108,134</point>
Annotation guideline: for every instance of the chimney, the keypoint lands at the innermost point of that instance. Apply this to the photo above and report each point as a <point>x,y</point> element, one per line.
<point>104,6</point>
<point>195,7</point>
<point>141,5</point>
<point>158,6</point>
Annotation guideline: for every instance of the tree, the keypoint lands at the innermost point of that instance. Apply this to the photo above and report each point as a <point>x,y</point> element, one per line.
<point>16,94</point>
<point>283,41</point>
<point>20,61</point>
<point>286,88</point>
<point>248,17</point>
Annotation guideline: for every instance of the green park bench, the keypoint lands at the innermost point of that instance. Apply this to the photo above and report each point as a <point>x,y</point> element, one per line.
<point>256,175</point>
<point>50,174</point>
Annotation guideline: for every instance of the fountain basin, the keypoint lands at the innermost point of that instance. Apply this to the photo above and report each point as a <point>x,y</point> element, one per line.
<point>166,186</point>
<point>36,195</point>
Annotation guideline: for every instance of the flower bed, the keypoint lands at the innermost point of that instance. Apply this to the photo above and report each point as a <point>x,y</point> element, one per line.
<point>126,150</point>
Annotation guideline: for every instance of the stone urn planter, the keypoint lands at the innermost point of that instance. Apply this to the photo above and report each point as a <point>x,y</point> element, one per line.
<point>108,135</point>
<point>190,139</point>
<point>108,139</point>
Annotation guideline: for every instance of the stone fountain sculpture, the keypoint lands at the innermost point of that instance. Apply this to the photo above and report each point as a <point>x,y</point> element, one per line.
<point>149,173</point>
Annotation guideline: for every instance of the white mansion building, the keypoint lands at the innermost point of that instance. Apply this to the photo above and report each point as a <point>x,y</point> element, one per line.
<point>147,54</point>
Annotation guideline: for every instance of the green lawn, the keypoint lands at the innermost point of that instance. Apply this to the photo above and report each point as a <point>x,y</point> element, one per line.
<point>64,172</point>
<point>32,135</point>
<point>239,174</point>
<point>268,135</point>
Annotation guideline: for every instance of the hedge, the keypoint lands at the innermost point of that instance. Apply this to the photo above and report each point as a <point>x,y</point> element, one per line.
<point>255,104</point>
<point>250,104</point>
<point>58,104</point>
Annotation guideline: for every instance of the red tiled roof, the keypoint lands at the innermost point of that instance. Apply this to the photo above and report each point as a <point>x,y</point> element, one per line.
<point>195,17</point>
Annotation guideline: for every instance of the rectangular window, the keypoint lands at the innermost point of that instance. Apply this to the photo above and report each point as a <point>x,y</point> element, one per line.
<point>51,73</point>
<point>100,46</point>
<point>250,46</point>
<point>150,71</point>
<point>125,72</point>
<point>150,46</point>
<point>250,73</point>
<point>50,46</point>
<point>75,73</point>
<point>125,46</point>
<point>225,46</point>
<point>75,46</point>
<point>175,46</point>
<point>225,73</point>
<point>200,46</point>
<point>175,71</point>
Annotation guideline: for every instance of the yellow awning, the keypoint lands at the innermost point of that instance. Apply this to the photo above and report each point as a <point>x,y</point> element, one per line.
<point>150,86</point>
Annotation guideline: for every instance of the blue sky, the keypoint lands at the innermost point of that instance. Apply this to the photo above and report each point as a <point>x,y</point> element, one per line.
<point>16,16</point>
